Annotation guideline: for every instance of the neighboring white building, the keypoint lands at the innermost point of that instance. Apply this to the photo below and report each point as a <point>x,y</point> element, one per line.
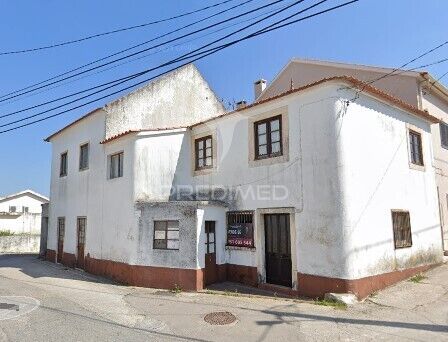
<point>20,213</point>
<point>305,190</point>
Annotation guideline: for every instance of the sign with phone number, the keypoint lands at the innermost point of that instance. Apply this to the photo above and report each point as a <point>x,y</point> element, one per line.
<point>240,235</point>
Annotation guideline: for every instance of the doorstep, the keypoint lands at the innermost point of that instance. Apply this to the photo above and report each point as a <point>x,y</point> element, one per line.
<point>235,289</point>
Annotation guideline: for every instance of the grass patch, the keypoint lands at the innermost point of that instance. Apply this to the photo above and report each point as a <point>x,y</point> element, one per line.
<point>335,304</point>
<point>177,289</point>
<point>231,293</point>
<point>6,233</point>
<point>417,278</point>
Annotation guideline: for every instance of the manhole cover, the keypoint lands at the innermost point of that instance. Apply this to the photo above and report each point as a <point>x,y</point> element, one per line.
<point>220,318</point>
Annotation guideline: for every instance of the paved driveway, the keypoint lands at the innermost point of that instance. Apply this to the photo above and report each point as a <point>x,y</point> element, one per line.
<point>59,304</point>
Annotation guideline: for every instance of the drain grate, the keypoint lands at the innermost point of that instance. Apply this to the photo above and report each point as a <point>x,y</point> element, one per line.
<point>7,306</point>
<point>220,318</point>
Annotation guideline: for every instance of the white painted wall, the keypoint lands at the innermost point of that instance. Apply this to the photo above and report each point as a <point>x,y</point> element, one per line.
<point>326,172</point>
<point>20,222</point>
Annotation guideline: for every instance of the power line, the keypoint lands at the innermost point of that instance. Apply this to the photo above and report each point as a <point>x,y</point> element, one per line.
<point>115,66</point>
<point>399,68</point>
<point>272,27</point>
<point>123,63</point>
<point>69,42</point>
<point>22,90</point>
<point>130,77</point>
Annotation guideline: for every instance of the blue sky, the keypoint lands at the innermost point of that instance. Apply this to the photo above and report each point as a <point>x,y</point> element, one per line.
<point>375,32</point>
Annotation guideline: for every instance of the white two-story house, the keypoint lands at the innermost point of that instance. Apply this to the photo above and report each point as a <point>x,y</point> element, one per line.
<point>306,191</point>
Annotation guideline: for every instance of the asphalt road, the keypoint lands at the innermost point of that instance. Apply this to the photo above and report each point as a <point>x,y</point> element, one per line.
<point>40,301</point>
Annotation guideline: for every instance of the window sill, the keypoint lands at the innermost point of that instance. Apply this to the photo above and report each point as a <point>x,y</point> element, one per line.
<point>84,169</point>
<point>417,167</point>
<point>238,248</point>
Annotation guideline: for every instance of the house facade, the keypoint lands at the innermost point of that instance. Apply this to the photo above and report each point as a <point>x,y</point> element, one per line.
<point>304,191</point>
<point>20,213</point>
<point>416,88</point>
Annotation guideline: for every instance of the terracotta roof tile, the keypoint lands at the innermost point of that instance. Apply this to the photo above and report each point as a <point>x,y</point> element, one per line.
<point>346,79</point>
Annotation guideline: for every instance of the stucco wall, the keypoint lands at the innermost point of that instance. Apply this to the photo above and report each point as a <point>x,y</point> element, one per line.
<point>439,108</point>
<point>177,99</point>
<point>19,244</point>
<point>33,204</point>
<point>21,223</point>
<point>377,177</point>
<point>402,86</point>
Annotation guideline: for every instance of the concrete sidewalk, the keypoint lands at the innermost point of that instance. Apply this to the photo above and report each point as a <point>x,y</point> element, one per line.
<point>75,306</point>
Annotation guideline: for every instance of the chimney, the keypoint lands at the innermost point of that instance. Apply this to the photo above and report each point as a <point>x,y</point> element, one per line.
<point>259,86</point>
<point>241,104</point>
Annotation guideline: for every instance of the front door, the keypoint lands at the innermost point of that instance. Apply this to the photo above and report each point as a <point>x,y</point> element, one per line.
<point>81,224</point>
<point>211,272</point>
<point>61,233</point>
<point>278,249</point>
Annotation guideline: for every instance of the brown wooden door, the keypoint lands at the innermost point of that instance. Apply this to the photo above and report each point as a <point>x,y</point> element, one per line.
<point>278,249</point>
<point>61,233</point>
<point>81,228</point>
<point>211,270</point>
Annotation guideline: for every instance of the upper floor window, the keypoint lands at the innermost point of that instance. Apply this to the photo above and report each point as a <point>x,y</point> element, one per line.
<point>444,135</point>
<point>204,153</point>
<point>401,222</point>
<point>84,157</point>
<point>25,209</point>
<point>415,147</point>
<point>12,209</point>
<point>268,138</point>
<point>63,166</point>
<point>116,165</point>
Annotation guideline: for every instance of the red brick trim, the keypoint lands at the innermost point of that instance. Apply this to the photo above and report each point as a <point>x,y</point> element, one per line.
<point>50,255</point>
<point>242,274</point>
<point>146,276</point>
<point>68,260</point>
<point>316,286</point>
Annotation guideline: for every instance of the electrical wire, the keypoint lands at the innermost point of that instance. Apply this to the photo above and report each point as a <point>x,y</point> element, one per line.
<point>22,91</point>
<point>130,77</point>
<point>270,28</point>
<point>69,42</point>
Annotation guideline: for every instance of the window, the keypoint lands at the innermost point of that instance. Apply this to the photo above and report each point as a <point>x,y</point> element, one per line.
<point>401,222</point>
<point>268,138</point>
<point>84,157</point>
<point>415,146</point>
<point>12,208</point>
<point>166,235</point>
<point>61,228</point>
<point>116,165</point>
<point>204,153</point>
<point>240,229</point>
<point>63,167</point>
<point>210,243</point>
<point>25,209</point>
<point>444,135</point>
<point>81,223</point>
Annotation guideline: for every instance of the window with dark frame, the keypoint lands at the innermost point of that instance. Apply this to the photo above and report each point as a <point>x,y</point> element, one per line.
<point>210,237</point>
<point>12,209</point>
<point>268,138</point>
<point>444,135</point>
<point>63,165</point>
<point>25,209</point>
<point>204,153</point>
<point>61,228</point>
<point>81,224</point>
<point>401,222</point>
<point>415,146</point>
<point>116,165</point>
<point>240,229</point>
<point>84,157</point>
<point>166,235</point>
